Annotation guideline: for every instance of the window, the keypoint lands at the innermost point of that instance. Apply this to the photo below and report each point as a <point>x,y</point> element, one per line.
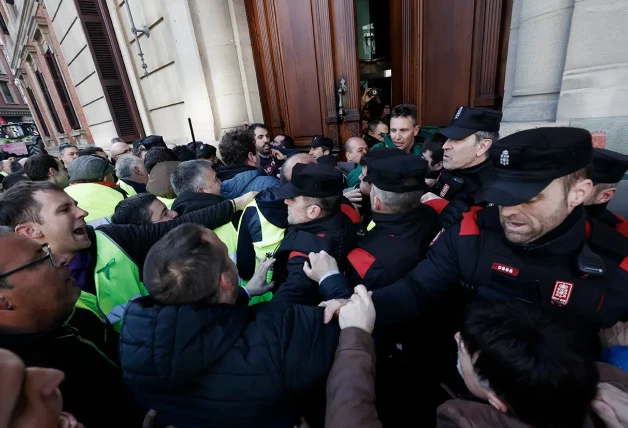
<point>40,117</point>
<point>3,25</point>
<point>49,103</point>
<point>62,90</point>
<point>6,93</point>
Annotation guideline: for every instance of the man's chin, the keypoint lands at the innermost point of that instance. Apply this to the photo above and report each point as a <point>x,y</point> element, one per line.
<point>82,242</point>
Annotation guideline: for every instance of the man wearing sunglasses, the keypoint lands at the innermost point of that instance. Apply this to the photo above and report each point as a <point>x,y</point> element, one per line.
<point>39,322</point>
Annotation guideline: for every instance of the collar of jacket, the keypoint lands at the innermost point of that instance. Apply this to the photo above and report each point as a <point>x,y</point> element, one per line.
<point>330,223</point>
<point>485,165</point>
<point>187,202</point>
<point>138,187</point>
<point>397,222</point>
<point>228,172</point>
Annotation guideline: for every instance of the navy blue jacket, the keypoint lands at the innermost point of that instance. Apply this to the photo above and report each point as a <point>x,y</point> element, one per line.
<point>240,179</point>
<point>205,365</point>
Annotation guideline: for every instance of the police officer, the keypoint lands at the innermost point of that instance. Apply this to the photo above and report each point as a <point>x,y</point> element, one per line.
<point>609,168</point>
<point>466,162</point>
<point>535,244</point>
<point>321,146</point>
<point>403,228</point>
<point>318,221</point>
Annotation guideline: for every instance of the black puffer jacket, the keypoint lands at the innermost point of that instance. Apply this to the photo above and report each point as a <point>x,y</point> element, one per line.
<point>226,366</point>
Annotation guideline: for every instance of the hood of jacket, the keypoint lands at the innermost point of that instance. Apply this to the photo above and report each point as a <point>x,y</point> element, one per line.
<point>274,209</point>
<point>187,202</point>
<point>240,179</point>
<point>172,346</point>
<point>159,180</point>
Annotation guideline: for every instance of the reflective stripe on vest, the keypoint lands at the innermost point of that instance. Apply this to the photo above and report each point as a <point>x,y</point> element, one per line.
<point>117,279</point>
<point>271,239</point>
<point>128,189</point>
<point>98,200</point>
<point>370,226</point>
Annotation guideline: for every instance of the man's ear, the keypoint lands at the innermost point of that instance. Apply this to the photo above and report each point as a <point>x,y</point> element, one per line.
<point>137,171</point>
<point>483,146</point>
<point>224,282</point>
<point>439,166</point>
<point>313,211</point>
<point>30,230</point>
<point>497,402</point>
<point>52,172</point>
<point>416,130</point>
<point>377,203</point>
<point>606,195</point>
<point>579,193</point>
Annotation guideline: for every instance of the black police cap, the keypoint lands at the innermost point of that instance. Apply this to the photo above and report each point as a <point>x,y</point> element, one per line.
<point>322,141</point>
<point>388,169</point>
<point>608,166</point>
<point>329,160</point>
<point>526,162</point>
<point>469,120</point>
<point>313,180</point>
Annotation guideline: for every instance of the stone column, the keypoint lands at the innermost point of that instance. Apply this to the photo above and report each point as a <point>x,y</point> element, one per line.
<point>595,81</point>
<point>541,38</point>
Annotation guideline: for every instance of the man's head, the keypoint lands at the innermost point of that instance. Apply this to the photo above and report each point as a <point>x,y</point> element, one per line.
<point>14,179</point>
<point>196,176</point>
<point>238,148</point>
<point>131,168</point>
<point>261,137</point>
<point>67,153</point>
<point>355,148</point>
<point>470,135</point>
<point>190,264</point>
<point>37,292</point>
<point>119,149</point>
<point>433,152</point>
<point>539,177</point>
<point>143,208</point>
<point>44,167</point>
<point>206,152</point>
<point>158,155</point>
<point>609,168</point>
<point>283,140</point>
<point>404,126</point>
<point>377,127</point>
<point>286,170</point>
<point>529,361</point>
<point>397,181</point>
<point>93,150</point>
<point>184,153</point>
<point>321,146</point>
<point>91,169</point>
<point>18,165</point>
<point>43,212</point>
<point>313,192</point>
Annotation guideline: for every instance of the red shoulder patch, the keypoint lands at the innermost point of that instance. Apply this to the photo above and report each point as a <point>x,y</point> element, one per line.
<point>587,229</point>
<point>469,225</point>
<point>361,260</point>
<point>294,254</point>
<point>624,264</point>
<point>438,204</point>
<point>622,227</point>
<point>350,212</point>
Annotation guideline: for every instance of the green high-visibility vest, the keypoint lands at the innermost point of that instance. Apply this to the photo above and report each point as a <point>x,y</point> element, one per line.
<point>271,238</point>
<point>98,200</point>
<point>128,189</point>
<point>117,280</point>
<point>167,202</point>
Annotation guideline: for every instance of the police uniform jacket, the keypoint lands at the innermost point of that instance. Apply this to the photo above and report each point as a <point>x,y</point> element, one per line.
<point>604,215</point>
<point>394,247</point>
<point>582,267</point>
<point>463,183</point>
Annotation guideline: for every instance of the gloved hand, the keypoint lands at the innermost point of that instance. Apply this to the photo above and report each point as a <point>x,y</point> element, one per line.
<point>452,213</point>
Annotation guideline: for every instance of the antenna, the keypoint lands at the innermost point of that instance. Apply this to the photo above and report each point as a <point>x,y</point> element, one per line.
<point>191,129</point>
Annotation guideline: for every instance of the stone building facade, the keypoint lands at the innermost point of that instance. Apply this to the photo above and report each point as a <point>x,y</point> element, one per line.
<point>13,108</point>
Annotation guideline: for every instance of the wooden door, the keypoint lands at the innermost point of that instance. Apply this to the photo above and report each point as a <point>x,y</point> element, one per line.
<point>302,50</point>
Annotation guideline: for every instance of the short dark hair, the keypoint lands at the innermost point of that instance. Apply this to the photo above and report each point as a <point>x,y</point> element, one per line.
<point>134,210</point>
<point>158,155</point>
<point>435,146</point>
<point>90,150</point>
<point>19,204</point>
<point>288,141</point>
<point>184,153</point>
<point>572,179</point>
<point>210,151</point>
<point>183,267</point>
<point>235,147</point>
<point>13,179</point>
<point>16,166</point>
<point>405,110</point>
<point>64,146</point>
<point>37,167</point>
<point>328,204</point>
<point>374,123</point>
<point>540,362</point>
<point>254,126</point>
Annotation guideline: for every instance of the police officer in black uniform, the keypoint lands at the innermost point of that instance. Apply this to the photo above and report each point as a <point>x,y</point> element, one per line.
<point>535,244</point>
<point>404,227</point>
<point>319,220</point>
<point>466,162</point>
<point>609,168</point>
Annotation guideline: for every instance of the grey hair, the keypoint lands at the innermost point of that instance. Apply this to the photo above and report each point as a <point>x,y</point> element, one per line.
<point>189,176</point>
<point>116,140</point>
<point>486,135</point>
<point>125,165</point>
<point>397,203</point>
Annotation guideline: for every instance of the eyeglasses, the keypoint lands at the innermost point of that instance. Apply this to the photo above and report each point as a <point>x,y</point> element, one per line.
<point>48,256</point>
<point>126,152</point>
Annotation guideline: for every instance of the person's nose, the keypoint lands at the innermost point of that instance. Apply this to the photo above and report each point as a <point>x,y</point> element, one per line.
<point>448,145</point>
<point>172,214</point>
<point>46,381</point>
<point>508,212</point>
<point>81,213</point>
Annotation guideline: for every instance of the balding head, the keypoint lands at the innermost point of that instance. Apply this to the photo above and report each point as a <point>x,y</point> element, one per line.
<point>355,147</point>
<point>119,149</point>
<point>286,170</point>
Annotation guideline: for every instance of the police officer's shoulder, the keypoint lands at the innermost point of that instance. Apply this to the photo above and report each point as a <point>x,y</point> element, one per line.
<point>607,239</point>
<point>609,166</point>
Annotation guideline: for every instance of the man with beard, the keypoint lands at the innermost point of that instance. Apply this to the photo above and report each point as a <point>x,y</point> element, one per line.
<point>271,158</point>
<point>534,244</point>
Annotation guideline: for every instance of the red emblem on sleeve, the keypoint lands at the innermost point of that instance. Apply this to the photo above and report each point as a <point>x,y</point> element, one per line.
<point>505,269</point>
<point>444,191</point>
<point>562,293</point>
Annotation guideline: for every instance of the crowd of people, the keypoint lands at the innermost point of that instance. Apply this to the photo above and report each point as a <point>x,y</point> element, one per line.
<point>417,277</point>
